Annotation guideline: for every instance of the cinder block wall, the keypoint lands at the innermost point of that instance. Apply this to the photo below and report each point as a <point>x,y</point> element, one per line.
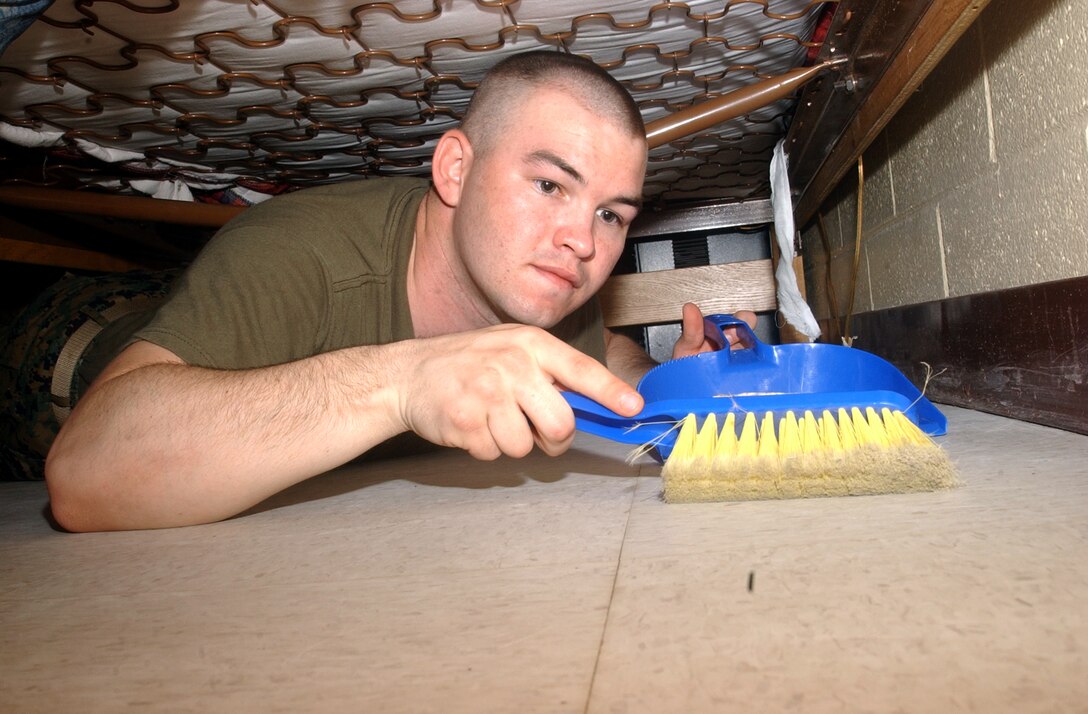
<point>980,182</point>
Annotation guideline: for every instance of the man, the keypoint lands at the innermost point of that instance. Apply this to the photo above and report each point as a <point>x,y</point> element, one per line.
<point>251,379</point>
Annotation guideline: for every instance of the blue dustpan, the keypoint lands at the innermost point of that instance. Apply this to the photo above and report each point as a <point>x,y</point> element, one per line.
<point>756,378</point>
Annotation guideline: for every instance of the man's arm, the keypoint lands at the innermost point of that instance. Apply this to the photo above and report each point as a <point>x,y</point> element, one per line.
<point>157,443</point>
<point>625,358</point>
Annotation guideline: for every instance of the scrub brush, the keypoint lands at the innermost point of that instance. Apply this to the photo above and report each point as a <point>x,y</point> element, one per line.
<point>871,435</point>
<point>849,453</point>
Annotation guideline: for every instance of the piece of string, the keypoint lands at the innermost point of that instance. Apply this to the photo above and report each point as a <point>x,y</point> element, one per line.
<point>832,298</point>
<point>847,338</point>
<point>930,374</point>
<point>640,451</point>
<point>640,424</point>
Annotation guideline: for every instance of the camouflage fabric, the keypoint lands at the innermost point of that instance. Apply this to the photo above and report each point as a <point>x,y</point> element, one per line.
<point>117,304</point>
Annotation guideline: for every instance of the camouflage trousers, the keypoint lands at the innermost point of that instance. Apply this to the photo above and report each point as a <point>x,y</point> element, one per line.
<point>53,350</point>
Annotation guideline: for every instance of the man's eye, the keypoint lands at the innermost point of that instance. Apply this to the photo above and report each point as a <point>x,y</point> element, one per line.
<point>609,217</point>
<point>546,186</point>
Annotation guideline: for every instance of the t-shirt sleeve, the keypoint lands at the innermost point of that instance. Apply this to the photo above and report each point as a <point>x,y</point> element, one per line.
<point>253,297</point>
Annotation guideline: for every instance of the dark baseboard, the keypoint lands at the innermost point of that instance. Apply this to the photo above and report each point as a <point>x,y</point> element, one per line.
<point>1021,352</point>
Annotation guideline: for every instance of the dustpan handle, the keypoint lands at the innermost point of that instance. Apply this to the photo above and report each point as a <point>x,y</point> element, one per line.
<point>714,327</point>
<point>596,419</point>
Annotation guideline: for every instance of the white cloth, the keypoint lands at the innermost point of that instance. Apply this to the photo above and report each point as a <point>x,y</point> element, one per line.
<point>174,190</point>
<point>30,138</point>
<point>790,303</point>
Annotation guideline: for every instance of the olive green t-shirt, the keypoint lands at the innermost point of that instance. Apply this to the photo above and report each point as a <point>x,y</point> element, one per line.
<point>310,272</point>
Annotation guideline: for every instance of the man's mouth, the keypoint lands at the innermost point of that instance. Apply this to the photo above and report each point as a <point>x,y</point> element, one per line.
<point>561,276</point>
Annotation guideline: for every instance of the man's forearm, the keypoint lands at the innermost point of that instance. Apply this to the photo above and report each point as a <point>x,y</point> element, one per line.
<point>625,358</point>
<point>171,444</point>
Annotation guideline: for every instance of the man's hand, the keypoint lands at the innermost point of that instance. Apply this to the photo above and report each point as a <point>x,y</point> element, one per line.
<point>494,391</point>
<point>693,339</point>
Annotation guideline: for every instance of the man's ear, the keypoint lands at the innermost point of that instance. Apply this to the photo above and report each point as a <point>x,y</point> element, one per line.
<point>450,165</point>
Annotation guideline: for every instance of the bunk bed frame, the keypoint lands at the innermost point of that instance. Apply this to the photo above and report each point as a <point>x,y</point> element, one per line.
<point>889,48</point>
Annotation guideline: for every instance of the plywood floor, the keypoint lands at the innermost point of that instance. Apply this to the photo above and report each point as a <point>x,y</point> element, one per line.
<point>440,584</point>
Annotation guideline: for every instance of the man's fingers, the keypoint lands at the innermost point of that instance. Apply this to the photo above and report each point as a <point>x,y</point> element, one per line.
<point>748,316</point>
<point>510,429</point>
<point>734,335</point>
<point>554,448</point>
<point>552,422</point>
<point>581,373</point>
<point>495,391</point>
<point>691,330</point>
<point>692,339</point>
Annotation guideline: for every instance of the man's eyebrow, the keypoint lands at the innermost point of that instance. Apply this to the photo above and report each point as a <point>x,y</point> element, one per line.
<point>543,156</point>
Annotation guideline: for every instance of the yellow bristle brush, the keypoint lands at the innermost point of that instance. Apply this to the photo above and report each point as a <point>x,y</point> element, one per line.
<point>797,421</point>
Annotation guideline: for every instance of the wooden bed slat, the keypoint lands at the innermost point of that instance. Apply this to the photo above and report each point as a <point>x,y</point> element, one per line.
<point>657,296</point>
<point>135,208</point>
<point>34,253</point>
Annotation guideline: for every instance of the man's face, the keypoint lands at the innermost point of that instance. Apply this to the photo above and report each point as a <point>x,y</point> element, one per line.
<point>544,213</point>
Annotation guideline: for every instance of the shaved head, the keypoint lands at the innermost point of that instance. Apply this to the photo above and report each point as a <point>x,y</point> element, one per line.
<point>511,81</point>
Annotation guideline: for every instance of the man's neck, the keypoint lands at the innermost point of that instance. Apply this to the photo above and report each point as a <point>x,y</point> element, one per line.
<point>440,294</point>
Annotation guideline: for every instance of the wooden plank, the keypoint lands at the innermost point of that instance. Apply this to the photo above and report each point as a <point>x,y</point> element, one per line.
<point>1020,352</point>
<point>657,296</point>
<point>131,207</point>
<point>651,223</point>
<point>20,243</point>
<point>35,253</point>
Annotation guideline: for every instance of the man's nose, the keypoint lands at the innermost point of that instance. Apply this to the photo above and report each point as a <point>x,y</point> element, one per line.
<point>577,235</point>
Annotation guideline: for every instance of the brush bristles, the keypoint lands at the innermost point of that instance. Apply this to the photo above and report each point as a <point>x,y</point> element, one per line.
<point>850,453</point>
